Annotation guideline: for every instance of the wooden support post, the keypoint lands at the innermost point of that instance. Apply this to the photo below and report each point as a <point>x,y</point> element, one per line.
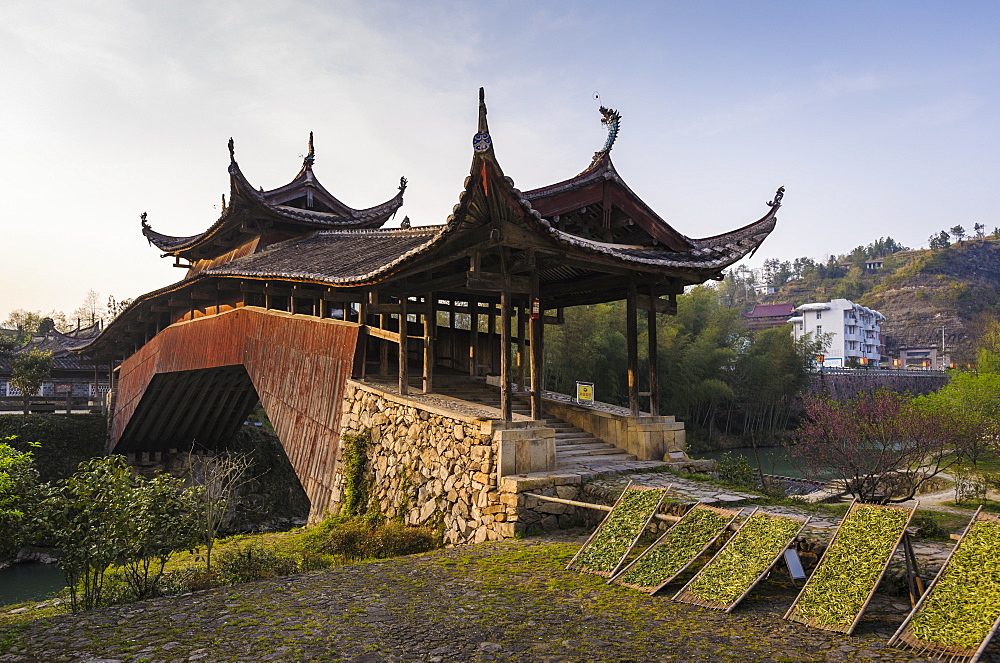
<point>473,336</point>
<point>520,348</point>
<point>535,342</point>
<point>654,392</point>
<point>506,411</point>
<point>491,338</point>
<point>632,338</point>
<point>383,360</point>
<point>430,327</point>
<point>404,373</point>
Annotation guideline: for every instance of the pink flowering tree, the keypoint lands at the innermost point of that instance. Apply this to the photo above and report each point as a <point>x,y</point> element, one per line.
<point>880,443</point>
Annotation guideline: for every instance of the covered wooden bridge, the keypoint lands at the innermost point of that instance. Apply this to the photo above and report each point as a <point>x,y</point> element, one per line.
<point>291,292</point>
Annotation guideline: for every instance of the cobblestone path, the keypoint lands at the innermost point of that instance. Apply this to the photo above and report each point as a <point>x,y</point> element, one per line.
<point>502,601</point>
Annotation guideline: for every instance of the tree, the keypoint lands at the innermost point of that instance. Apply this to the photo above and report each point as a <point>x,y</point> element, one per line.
<point>939,240</point>
<point>18,480</point>
<point>23,320</point>
<point>879,443</point>
<point>106,514</point>
<point>220,479</point>
<point>115,308</point>
<point>958,232</point>
<point>980,229</point>
<point>971,403</point>
<point>28,371</point>
<point>91,310</point>
<point>161,517</point>
<point>84,517</point>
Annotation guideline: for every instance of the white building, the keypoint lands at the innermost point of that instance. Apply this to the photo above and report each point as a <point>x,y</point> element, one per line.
<point>854,331</point>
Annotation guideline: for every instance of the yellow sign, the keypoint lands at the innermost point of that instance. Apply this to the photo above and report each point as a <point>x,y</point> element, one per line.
<point>585,392</point>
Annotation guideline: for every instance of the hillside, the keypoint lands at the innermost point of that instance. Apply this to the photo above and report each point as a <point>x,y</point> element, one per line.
<point>919,292</point>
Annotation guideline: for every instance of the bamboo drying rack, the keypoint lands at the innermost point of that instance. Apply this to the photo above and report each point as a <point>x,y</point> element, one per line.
<point>664,540</point>
<point>685,594</point>
<point>635,540</point>
<point>905,638</point>
<point>849,628</point>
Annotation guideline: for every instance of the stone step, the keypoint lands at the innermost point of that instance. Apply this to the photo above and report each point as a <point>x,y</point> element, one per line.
<point>599,451</point>
<point>589,444</point>
<point>568,442</point>
<point>562,433</point>
<point>592,460</point>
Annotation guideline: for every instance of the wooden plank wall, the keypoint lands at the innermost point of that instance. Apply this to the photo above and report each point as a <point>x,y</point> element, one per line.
<point>298,366</point>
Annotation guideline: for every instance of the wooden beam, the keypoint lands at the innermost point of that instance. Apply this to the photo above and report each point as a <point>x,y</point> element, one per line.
<point>505,396</point>
<point>632,340</point>
<point>430,328</point>
<point>492,282</point>
<point>520,348</point>
<point>473,336</point>
<point>404,374</point>
<point>651,303</point>
<point>535,331</point>
<point>654,395</point>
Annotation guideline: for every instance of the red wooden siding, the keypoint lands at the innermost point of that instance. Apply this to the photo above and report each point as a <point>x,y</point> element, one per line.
<point>297,365</point>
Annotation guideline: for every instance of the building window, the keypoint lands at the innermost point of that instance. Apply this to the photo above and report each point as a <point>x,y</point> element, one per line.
<point>819,329</point>
<point>819,315</point>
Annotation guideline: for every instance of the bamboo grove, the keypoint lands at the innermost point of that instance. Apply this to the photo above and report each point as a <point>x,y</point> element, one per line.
<point>715,374</point>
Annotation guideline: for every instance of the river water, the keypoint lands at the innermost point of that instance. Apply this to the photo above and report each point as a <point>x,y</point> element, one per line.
<point>29,582</point>
<point>773,460</point>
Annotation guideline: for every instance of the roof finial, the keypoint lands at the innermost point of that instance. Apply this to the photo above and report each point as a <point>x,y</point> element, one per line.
<point>311,155</point>
<point>405,223</point>
<point>778,195</point>
<point>232,150</point>
<point>145,224</point>
<point>612,119</point>
<point>223,203</point>
<point>402,184</point>
<point>481,142</point>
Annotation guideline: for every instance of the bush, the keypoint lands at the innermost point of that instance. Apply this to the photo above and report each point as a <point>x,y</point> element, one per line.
<point>253,562</point>
<point>735,470</point>
<point>361,538</point>
<point>190,579</point>
<point>65,440</point>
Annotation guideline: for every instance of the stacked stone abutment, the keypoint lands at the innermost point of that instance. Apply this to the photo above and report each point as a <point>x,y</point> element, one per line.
<point>430,466</point>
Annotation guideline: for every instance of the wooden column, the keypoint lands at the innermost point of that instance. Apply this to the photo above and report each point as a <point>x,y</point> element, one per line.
<point>491,338</point>
<point>520,348</point>
<point>654,395</point>
<point>473,336</point>
<point>632,337</point>
<point>506,411</point>
<point>383,360</point>
<point>535,342</point>
<point>404,372</point>
<point>430,327</point>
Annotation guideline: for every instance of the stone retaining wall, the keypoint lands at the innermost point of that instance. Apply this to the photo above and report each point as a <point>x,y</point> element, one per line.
<point>429,466</point>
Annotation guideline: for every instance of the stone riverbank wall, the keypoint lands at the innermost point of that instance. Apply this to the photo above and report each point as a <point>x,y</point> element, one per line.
<point>428,465</point>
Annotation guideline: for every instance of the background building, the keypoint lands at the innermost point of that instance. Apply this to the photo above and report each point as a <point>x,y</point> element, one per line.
<point>855,334</point>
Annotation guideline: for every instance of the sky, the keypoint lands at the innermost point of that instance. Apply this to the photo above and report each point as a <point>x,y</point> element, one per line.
<point>880,118</point>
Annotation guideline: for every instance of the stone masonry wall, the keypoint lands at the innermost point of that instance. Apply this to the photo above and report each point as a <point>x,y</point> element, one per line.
<point>430,466</point>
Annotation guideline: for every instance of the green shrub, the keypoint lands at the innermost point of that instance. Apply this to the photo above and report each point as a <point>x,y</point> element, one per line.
<point>735,470</point>
<point>189,579</point>
<point>253,562</point>
<point>64,441</point>
<point>362,538</point>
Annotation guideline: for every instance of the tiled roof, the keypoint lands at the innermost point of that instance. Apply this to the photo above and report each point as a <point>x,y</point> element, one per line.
<point>784,309</point>
<point>334,256</point>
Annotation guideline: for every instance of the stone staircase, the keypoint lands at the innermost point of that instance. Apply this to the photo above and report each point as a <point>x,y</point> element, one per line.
<point>575,447</point>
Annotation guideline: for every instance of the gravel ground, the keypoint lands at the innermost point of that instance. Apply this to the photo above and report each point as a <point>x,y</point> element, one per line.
<point>502,601</point>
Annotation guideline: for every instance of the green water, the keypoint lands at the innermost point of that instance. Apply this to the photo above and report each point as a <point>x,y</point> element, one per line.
<point>773,460</point>
<point>29,582</point>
